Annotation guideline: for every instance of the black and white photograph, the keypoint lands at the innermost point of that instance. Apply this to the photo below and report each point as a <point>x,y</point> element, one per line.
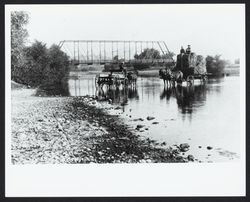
<point>107,86</point>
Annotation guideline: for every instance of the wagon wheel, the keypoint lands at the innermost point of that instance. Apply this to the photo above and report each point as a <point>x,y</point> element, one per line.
<point>190,80</point>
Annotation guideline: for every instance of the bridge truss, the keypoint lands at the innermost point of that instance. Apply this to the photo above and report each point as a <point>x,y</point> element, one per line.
<point>107,51</point>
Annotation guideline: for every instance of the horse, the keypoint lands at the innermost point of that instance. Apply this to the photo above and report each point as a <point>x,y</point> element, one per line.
<point>166,75</point>
<point>177,77</point>
<point>132,78</point>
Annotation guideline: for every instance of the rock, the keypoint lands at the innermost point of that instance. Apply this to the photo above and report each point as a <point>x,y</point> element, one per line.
<point>209,147</point>
<point>139,119</point>
<point>179,158</point>
<point>139,126</point>
<point>200,146</point>
<point>184,147</point>
<point>163,144</point>
<point>155,122</point>
<point>190,157</point>
<point>117,108</point>
<point>150,118</point>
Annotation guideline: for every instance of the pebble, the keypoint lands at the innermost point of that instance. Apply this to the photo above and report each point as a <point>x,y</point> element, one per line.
<point>139,126</point>
<point>150,118</point>
<point>209,147</point>
<point>190,157</point>
<point>155,122</point>
<point>184,147</point>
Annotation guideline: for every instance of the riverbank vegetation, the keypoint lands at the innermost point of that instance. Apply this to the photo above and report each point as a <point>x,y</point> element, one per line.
<point>35,65</point>
<point>215,65</point>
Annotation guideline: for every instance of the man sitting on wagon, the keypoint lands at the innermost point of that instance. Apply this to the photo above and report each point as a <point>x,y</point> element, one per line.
<point>188,50</point>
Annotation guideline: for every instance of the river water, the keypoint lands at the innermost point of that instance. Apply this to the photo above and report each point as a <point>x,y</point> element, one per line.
<point>200,115</point>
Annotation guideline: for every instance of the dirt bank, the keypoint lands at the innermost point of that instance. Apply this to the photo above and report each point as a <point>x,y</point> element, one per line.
<point>77,130</point>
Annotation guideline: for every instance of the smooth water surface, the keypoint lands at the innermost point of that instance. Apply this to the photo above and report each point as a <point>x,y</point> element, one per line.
<point>200,115</point>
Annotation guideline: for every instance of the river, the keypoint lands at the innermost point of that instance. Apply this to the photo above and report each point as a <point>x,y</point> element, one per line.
<point>201,115</point>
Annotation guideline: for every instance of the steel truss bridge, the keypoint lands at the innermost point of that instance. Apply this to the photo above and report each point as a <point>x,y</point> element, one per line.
<point>90,52</point>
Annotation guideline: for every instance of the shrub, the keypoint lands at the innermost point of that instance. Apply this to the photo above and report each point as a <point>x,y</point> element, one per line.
<point>56,71</point>
<point>215,65</point>
<point>35,60</point>
<point>44,68</point>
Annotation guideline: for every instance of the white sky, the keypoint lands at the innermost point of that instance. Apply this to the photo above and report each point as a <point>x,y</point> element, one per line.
<point>209,29</point>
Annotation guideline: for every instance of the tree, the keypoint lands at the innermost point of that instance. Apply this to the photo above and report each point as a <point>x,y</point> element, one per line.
<point>19,34</point>
<point>151,53</point>
<point>35,61</point>
<point>57,68</point>
<point>148,53</point>
<point>215,65</point>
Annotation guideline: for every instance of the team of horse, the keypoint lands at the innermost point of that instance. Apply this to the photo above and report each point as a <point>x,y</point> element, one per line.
<point>170,78</point>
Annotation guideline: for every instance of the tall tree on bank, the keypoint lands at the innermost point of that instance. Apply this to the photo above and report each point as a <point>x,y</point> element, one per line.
<point>19,34</point>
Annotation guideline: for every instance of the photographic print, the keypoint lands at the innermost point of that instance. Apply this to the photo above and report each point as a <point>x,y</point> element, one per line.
<point>126,84</point>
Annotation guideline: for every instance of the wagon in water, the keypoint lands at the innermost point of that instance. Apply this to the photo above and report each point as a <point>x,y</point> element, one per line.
<point>189,67</point>
<point>117,75</point>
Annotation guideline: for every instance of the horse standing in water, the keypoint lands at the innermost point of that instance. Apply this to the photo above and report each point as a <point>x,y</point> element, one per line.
<point>132,78</point>
<point>171,77</point>
<point>178,77</point>
<point>167,76</point>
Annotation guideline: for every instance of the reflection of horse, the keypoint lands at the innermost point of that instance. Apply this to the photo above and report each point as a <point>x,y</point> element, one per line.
<point>187,97</point>
<point>166,93</point>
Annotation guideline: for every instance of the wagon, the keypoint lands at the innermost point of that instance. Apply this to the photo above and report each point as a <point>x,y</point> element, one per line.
<point>191,65</point>
<point>110,80</point>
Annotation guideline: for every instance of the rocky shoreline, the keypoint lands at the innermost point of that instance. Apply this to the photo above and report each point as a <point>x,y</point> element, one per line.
<point>79,130</point>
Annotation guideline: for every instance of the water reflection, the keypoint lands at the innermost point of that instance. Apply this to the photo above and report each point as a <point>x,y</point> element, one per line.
<point>117,95</point>
<point>197,114</point>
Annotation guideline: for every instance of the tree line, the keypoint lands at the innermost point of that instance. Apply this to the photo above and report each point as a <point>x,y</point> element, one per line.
<point>35,65</point>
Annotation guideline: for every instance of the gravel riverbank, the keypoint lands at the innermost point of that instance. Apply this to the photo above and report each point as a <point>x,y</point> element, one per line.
<point>78,130</point>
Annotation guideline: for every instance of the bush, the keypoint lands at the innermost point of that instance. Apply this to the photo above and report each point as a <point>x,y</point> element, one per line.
<point>42,67</point>
<point>56,71</point>
<point>215,65</point>
<point>35,60</point>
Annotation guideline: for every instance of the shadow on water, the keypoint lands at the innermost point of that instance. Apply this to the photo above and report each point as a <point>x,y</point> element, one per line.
<point>54,89</point>
<point>117,95</point>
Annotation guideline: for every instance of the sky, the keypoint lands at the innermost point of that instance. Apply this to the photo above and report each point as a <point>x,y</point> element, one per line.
<point>210,29</point>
